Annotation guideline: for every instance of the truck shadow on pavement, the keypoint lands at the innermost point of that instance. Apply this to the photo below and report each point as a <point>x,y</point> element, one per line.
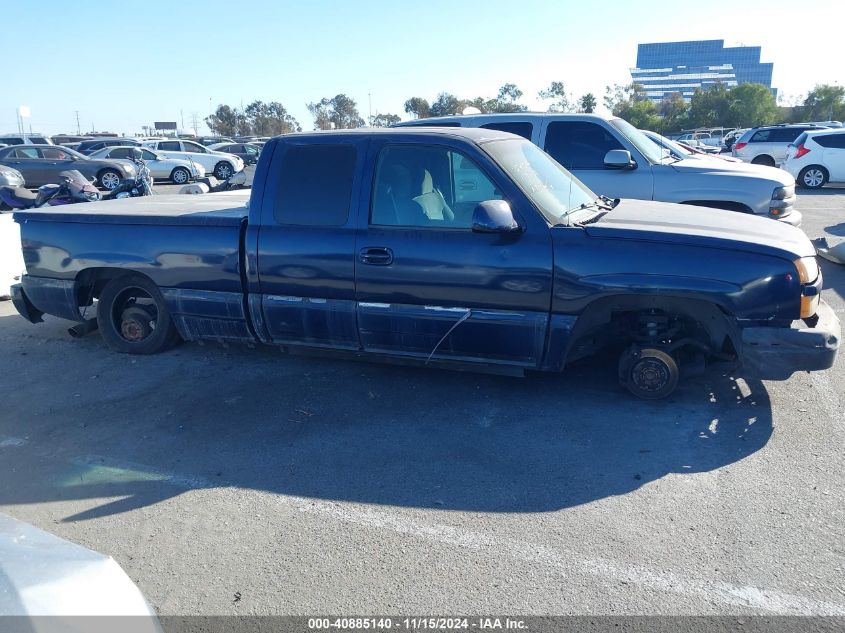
<point>147,429</point>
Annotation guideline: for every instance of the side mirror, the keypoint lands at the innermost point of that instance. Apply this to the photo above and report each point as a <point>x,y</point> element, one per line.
<point>619,159</point>
<point>494,216</point>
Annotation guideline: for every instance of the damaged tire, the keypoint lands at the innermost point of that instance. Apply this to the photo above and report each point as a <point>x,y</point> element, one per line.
<point>133,318</point>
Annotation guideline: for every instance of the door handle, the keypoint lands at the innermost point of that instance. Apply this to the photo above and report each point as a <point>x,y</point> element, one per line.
<point>376,256</point>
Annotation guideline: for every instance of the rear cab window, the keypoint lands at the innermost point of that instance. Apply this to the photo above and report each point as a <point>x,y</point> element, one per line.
<point>520,128</point>
<point>315,185</point>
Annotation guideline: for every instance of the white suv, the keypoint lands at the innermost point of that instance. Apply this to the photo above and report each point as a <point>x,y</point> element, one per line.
<point>222,165</point>
<point>767,145</point>
<point>817,157</point>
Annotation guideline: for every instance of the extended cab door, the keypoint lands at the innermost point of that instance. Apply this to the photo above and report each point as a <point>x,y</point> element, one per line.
<point>426,284</point>
<point>306,242</point>
<point>581,145</point>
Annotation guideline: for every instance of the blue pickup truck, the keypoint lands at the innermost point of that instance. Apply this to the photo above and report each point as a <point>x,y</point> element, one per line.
<point>382,243</point>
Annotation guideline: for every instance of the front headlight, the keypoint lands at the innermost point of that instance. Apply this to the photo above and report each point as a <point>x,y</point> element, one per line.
<point>808,269</point>
<point>782,193</point>
<point>808,273</point>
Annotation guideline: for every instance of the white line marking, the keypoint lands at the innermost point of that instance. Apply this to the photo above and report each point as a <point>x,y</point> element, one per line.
<point>709,590</point>
<point>563,561</point>
<point>11,442</point>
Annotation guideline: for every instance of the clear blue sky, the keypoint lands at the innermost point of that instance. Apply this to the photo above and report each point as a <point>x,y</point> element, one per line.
<point>127,64</point>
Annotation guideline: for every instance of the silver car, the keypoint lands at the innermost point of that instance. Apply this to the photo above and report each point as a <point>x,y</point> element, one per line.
<point>10,177</point>
<point>176,170</point>
<point>767,145</point>
<point>615,159</point>
<point>50,584</point>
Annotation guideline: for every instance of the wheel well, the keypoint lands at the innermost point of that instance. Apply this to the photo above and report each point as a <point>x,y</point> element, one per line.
<point>91,281</point>
<point>763,158</point>
<point>609,321</point>
<point>173,171</point>
<point>727,205</point>
<point>105,169</point>
<point>821,167</point>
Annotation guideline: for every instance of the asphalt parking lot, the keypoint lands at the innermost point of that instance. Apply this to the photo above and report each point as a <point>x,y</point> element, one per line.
<point>244,481</point>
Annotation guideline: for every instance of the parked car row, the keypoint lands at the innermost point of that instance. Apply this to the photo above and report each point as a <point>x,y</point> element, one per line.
<point>42,164</point>
<point>221,164</point>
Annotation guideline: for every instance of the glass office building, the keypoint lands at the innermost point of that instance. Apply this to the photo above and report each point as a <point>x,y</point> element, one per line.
<point>682,67</point>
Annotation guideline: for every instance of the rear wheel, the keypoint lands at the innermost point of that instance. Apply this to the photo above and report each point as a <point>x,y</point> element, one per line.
<point>133,318</point>
<point>763,159</point>
<point>180,176</point>
<point>813,177</point>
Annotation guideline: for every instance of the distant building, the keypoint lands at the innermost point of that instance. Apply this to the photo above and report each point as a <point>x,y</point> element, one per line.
<point>669,67</point>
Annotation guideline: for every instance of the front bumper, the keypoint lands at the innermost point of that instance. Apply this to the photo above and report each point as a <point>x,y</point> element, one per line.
<point>776,353</point>
<point>793,219</point>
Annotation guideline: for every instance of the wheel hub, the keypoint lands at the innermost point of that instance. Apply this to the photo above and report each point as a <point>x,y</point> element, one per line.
<point>650,375</point>
<point>136,324</point>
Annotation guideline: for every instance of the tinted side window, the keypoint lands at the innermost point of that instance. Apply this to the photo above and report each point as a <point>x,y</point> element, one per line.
<point>760,136</point>
<point>435,123</point>
<point>170,146</point>
<point>11,140</point>
<point>54,154</point>
<point>120,152</point>
<point>785,134</point>
<point>26,152</point>
<point>193,147</point>
<point>315,185</point>
<point>520,128</point>
<point>833,141</point>
<point>579,144</point>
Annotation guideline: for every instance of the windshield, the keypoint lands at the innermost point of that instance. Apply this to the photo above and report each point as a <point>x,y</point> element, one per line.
<point>644,144</point>
<point>669,144</point>
<point>554,191</point>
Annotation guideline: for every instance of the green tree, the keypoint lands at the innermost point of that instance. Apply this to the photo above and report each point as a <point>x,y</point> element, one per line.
<point>825,103</point>
<point>587,103</point>
<point>639,113</point>
<point>384,120</point>
<point>618,94</point>
<point>446,104</point>
<point>418,107</point>
<point>710,107</point>
<point>556,93</point>
<point>673,110</point>
<point>339,112</point>
<point>750,104</point>
<point>224,121</point>
<point>506,101</point>
<point>270,119</point>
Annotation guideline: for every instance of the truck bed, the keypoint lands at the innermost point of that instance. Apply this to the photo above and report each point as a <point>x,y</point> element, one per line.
<point>215,209</point>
